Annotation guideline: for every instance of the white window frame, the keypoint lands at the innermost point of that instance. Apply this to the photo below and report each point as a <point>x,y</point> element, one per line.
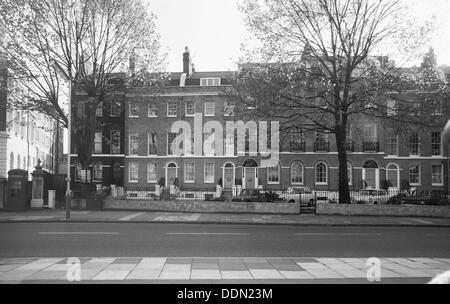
<point>186,108</point>
<point>302,175</point>
<point>205,180</point>
<point>397,172</point>
<point>326,174</point>
<point>209,102</point>
<point>168,107</point>
<point>99,109</point>
<point>170,143</point>
<point>149,135</point>
<point>129,143</point>
<point>372,127</point>
<point>152,181</point>
<point>98,143</point>
<point>94,170</point>
<point>278,175</point>
<point>418,144</point>
<point>441,175</point>
<point>440,144</point>
<point>420,177</point>
<point>193,173</point>
<point>148,109</point>
<point>130,165</point>
<point>210,81</point>
<point>389,144</point>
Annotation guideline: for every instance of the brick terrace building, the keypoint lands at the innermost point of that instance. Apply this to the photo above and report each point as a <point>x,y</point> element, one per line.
<point>376,154</point>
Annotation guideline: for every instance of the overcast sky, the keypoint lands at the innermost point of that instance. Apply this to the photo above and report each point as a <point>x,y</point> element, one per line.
<point>214,30</point>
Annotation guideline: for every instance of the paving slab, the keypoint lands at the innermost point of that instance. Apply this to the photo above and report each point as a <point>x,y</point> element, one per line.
<point>174,275</point>
<point>205,266</point>
<point>265,274</point>
<point>236,275</point>
<point>208,274</point>
<point>111,275</point>
<point>296,274</point>
<point>143,275</point>
<point>177,267</point>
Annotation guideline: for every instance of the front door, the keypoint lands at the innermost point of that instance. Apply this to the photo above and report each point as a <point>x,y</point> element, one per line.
<point>228,176</point>
<point>250,178</point>
<point>171,175</point>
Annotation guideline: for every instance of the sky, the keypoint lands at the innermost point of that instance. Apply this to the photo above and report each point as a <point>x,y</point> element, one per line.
<point>215,29</point>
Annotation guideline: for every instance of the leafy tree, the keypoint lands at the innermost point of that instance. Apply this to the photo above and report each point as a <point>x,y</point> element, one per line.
<point>314,70</point>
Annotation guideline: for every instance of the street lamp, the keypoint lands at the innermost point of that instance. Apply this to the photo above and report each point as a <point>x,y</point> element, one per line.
<point>58,68</point>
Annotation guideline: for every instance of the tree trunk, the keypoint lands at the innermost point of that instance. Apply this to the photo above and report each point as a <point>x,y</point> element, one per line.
<point>344,190</point>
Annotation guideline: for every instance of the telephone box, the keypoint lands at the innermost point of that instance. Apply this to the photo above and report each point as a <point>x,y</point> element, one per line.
<point>17,196</point>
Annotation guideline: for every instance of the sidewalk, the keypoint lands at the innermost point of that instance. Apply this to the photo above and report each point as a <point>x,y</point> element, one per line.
<point>219,218</point>
<point>216,268</point>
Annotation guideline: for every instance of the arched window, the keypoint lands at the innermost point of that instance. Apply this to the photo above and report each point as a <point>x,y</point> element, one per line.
<point>98,171</point>
<point>18,161</point>
<point>11,161</point>
<point>393,175</point>
<point>321,173</point>
<point>297,173</point>
<point>273,175</point>
<point>350,173</point>
<point>24,163</point>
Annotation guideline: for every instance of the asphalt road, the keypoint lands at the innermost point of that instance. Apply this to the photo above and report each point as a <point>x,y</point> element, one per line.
<point>188,240</point>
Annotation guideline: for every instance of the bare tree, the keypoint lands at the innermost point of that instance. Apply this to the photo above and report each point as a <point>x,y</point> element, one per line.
<point>91,40</point>
<point>315,69</point>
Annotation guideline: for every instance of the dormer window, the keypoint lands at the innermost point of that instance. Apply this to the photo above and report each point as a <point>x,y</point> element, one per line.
<point>210,82</point>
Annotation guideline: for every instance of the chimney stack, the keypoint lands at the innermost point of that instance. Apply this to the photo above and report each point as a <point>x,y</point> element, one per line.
<point>187,62</point>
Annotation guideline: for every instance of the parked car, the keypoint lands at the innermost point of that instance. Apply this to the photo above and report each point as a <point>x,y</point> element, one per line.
<point>370,196</point>
<point>256,195</point>
<point>420,197</point>
<point>301,194</point>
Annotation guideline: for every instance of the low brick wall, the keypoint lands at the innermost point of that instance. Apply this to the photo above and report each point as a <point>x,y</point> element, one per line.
<point>383,210</point>
<point>203,207</point>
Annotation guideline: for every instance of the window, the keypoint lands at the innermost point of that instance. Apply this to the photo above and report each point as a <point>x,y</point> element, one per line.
<point>99,110</point>
<point>134,110</point>
<point>152,144</point>
<point>273,175</point>
<point>134,143</point>
<point>350,173</point>
<point>393,175</point>
<point>209,173</point>
<point>297,173</point>
<point>321,174</point>
<point>18,161</point>
<point>297,142</point>
<point>370,132</point>
<point>172,109</point>
<point>391,143</point>
<point>210,108</point>
<point>210,81</point>
<point>77,171</point>
<point>98,142</point>
<point>133,173</point>
<point>98,171</point>
<point>391,107</point>
<point>152,110</point>
<point>115,108</point>
<point>228,109</point>
<point>151,172</point>
<point>414,143</point>
<point>115,142</point>
<point>170,138</point>
<point>414,175</point>
<point>437,175</point>
<point>189,176</point>
<point>436,144</point>
<point>211,148</point>
<point>190,108</point>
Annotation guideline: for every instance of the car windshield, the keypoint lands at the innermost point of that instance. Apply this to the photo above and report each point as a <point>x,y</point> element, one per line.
<point>368,192</point>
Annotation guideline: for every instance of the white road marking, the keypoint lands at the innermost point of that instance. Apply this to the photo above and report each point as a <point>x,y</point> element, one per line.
<point>420,221</point>
<point>78,233</point>
<point>355,234</point>
<point>207,233</point>
<point>131,216</point>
